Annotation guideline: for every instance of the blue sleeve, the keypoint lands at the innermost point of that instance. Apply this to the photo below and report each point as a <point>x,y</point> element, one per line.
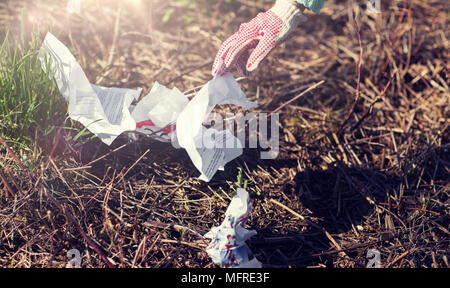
<point>313,5</point>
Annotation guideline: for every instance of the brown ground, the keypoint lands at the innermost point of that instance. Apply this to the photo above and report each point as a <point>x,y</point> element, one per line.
<point>363,164</point>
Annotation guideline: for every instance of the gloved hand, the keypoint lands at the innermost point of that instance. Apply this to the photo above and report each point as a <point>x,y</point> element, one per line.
<point>264,32</point>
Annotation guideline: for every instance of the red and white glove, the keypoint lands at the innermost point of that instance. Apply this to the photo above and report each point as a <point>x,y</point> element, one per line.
<point>264,32</point>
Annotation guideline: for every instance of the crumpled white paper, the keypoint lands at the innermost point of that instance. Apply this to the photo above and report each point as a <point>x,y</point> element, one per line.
<point>103,111</point>
<point>210,149</point>
<point>157,112</point>
<point>227,247</point>
<point>164,114</point>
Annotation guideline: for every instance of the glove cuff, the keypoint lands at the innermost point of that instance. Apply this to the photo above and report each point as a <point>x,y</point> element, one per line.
<point>289,12</point>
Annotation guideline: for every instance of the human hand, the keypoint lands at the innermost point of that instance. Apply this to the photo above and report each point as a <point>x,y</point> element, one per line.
<point>264,33</point>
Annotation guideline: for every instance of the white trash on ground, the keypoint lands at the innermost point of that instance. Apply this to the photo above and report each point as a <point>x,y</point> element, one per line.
<point>164,114</point>
<point>103,111</point>
<point>210,149</point>
<point>157,112</point>
<point>227,247</point>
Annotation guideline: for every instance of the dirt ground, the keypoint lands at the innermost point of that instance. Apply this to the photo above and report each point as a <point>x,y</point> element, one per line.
<point>364,157</point>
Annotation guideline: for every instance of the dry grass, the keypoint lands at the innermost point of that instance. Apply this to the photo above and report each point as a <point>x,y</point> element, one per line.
<point>364,161</point>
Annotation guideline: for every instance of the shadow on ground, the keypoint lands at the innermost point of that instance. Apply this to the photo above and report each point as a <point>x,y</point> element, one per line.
<point>331,199</point>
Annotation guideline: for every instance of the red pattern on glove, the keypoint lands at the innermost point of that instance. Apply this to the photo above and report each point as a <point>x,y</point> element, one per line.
<point>260,33</point>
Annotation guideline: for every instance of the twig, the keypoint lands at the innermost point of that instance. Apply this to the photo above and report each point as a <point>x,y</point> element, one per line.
<point>69,216</point>
<point>107,222</point>
<point>314,86</point>
<point>173,226</point>
<point>5,183</point>
<point>183,243</point>
<point>58,133</point>
<point>328,235</point>
<point>376,100</point>
<point>13,155</point>
<point>137,161</point>
<point>71,219</point>
<point>107,154</point>
<point>400,257</point>
<point>410,208</point>
<point>32,242</point>
<point>196,67</point>
<point>101,190</point>
<point>142,247</point>
<point>112,51</point>
<point>352,110</point>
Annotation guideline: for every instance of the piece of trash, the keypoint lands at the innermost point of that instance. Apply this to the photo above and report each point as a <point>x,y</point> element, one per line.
<point>103,111</point>
<point>163,114</point>
<point>227,247</point>
<point>210,149</point>
<point>157,112</point>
